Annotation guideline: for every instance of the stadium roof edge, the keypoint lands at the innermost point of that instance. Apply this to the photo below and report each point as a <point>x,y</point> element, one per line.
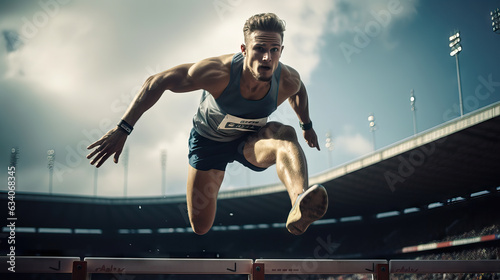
<point>420,139</point>
<point>31,196</point>
<point>393,150</point>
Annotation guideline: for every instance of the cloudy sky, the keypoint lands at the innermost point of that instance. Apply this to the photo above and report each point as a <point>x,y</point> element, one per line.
<point>69,68</point>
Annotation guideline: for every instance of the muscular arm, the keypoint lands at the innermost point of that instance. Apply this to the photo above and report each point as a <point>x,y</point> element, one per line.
<point>299,102</point>
<point>210,74</point>
<point>174,79</point>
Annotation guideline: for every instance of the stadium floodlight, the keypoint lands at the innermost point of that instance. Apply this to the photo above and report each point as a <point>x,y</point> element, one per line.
<point>14,156</point>
<point>455,44</point>
<point>125,170</point>
<point>414,110</point>
<point>456,48</point>
<point>51,157</point>
<point>373,127</point>
<point>163,161</point>
<point>495,20</point>
<point>96,174</point>
<point>329,146</point>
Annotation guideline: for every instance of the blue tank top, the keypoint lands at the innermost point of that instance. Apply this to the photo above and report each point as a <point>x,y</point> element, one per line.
<point>231,116</point>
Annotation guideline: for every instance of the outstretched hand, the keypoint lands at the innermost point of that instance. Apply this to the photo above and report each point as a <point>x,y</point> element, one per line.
<point>111,143</point>
<point>311,138</point>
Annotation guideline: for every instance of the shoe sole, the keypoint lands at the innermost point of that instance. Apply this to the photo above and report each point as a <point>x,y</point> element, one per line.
<point>311,206</point>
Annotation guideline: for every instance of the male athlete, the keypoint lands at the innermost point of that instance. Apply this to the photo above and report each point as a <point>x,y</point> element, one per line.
<point>240,91</point>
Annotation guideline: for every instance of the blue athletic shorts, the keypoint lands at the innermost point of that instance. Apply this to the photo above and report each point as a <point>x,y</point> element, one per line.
<point>206,154</point>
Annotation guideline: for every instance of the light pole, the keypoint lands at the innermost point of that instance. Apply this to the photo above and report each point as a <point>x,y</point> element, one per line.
<point>456,48</point>
<point>51,157</point>
<point>329,146</point>
<point>495,20</point>
<point>125,170</point>
<point>414,110</point>
<point>96,173</point>
<point>373,127</point>
<point>163,160</point>
<point>14,156</point>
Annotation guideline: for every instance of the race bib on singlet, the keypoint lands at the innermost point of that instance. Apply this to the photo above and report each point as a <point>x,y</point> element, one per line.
<point>232,122</point>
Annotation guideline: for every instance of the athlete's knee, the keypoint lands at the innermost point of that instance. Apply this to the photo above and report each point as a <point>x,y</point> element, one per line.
<point>200,223</point>
<point>279,131</point>
<point>201,228</point>
<point>286,132</point>
<point>201,217</point>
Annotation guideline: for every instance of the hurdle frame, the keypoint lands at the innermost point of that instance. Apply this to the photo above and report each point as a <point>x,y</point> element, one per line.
<point>376,267</point>
<point>255,269</point>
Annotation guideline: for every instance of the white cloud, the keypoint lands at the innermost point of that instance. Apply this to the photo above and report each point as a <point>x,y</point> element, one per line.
<point>352,143</point>
<point>348,15</point>
<point>306,22</point>
<point>91,56</point>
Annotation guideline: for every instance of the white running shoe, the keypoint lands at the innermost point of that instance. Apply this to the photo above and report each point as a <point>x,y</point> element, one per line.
<point>310,206</point>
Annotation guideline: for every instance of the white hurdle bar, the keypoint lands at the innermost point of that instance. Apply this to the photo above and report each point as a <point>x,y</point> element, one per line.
<point>168,266</point>
<point>256,270</point>
<point>319,266</point>
<point>24,264</point>
<point>443,266</point>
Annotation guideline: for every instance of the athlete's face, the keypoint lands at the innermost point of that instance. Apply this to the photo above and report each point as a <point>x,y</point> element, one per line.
<point>262,53</point>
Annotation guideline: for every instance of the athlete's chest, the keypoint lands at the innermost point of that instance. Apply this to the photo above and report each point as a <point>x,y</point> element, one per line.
<point>254,93</point>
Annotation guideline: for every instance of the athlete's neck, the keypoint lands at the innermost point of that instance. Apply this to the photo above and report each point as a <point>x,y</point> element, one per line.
<point>250,87</point>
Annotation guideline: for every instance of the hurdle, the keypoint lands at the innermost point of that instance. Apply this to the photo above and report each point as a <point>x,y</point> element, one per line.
<point>168,266</point>
<point>253,269</point>
<point>443,266</point>
<point>39,265</point>
<point>320,267</point>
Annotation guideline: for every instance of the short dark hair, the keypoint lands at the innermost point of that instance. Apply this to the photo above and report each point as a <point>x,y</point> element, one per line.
<point>264,22</point>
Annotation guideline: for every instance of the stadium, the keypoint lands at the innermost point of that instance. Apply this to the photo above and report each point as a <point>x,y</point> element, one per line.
<point>421,205</point>
<point>432,196</point>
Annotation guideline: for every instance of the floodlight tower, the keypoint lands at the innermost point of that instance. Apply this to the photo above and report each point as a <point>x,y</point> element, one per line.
<point>51,157</point>
<point>163,172</point>
<point>96,173</point>
<point>125,170</point>
<point>373,127</point>
<point>495,20</point>
<point>414,110</point>
<point>329,146</point>
<point>456,48</point>
<point>14,156</point>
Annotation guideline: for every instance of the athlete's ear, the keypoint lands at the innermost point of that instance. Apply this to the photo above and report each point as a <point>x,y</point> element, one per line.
<point>243,49</point>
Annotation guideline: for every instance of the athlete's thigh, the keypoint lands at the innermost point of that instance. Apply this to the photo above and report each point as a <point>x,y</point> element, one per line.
<point>261,147</point>
<point>202,190</point>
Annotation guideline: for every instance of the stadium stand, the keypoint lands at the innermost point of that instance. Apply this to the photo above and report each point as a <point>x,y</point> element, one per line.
<point>433,196</point>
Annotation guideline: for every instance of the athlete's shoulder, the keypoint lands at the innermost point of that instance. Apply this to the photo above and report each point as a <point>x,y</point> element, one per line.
<point>213,73</point>
<point>217,63</point>
<point>212,67</point>
<point>290,79</point>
